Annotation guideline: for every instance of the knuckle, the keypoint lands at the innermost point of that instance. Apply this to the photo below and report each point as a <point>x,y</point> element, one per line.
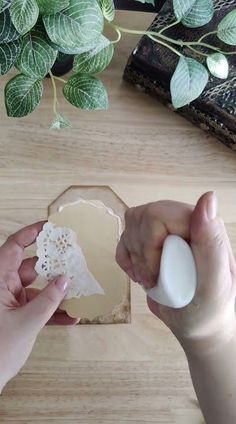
<point>135,258</point>
<point>211,242</point>
<point>12,246</point>
<point>121,254</point>
<point>142,245</point>
<point>218,239</point>
<point>150,244</point>
<point>51,296</point>
<point>117,257</point>
<point>134,213</point>
<point>126,245</point>
<point>137,212</point>
<point>155,209</point>
<point>10,240</point>
<point>152,209</point>
<point>129,213</point>
<point>118,254</point>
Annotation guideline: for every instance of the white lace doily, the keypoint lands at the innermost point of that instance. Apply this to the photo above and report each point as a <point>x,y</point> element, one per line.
<point>59,254</point>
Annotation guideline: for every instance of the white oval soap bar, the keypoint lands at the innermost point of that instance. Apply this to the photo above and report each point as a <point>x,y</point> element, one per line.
<point>177,282</point>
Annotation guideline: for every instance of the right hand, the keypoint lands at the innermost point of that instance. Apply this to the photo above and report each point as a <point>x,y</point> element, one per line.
<point>210,318</point>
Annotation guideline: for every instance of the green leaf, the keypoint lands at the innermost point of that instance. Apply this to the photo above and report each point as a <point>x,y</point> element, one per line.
<point>147,1</point>
<point>188,81</point>
<point>95,60</point>
<point>218,65</point>
<point>194,13</point>
<point>37,56</point>
<point>50,7</point>
<point>8,32</point>
<point>80,24</point>
<point>61,57</point>
<point>24,14</point>
<point>4,4</point>
<point>60,122</point>
<point>86,92</point>
<point>226,30</point>
<point>76,49</point>
<point>8,55</point>
<point>22,95</point>
<point>108,9</point>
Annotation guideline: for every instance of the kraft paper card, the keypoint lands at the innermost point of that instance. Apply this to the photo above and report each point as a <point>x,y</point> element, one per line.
<point>79,241</point>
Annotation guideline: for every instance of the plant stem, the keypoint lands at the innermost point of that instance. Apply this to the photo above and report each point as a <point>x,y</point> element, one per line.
<point>207,35</point>
<point>119,36</point>
<point>186,43</point>
<point>59,79</point>
<point>151,34</point>
<point>164,37</point>
<point>228,52</point>
<point>168,26</point>
<point>128,31</point>
<point>166,45</point>
<point>197,51</point>
<point>55,102</point>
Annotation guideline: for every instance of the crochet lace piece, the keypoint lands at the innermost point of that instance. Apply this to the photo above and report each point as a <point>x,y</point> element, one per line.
<point>59,254</point>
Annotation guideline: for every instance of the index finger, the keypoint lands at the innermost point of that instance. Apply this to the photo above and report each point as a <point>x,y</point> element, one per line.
<point>24,237</point>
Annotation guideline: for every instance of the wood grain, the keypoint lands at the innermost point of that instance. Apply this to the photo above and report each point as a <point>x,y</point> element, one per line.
<point>108,374</point>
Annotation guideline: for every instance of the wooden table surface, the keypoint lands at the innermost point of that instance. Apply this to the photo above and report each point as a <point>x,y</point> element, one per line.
<point>108,374</point>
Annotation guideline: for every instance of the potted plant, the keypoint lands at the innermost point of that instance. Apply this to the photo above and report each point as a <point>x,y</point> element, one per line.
<point>34,33</point>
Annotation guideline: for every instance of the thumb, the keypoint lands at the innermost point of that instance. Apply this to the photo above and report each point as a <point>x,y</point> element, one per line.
<point>209,244</point>
<point>40,309</point>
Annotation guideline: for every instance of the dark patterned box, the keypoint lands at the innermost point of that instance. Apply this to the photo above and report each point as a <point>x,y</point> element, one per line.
<point>151,66</point>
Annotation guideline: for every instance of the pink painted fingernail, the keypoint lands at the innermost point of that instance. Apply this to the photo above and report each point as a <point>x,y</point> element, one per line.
<point>211,207</point>
<point>62,284</point>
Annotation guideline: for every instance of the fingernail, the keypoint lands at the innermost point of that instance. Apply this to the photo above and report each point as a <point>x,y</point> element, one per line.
<point>62,284</point>
<point>211,206</point>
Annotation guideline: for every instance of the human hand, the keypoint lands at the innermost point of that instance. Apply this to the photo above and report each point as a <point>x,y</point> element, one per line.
<point>23,310</point>
<point>210,318</point>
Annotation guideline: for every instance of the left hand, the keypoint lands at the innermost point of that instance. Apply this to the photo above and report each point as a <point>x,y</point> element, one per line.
<point>23,310</point>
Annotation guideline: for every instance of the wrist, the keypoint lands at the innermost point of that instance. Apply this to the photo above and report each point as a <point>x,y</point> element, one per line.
<point>210,347</point>
<point>209,336</point>
<point>212,369</point>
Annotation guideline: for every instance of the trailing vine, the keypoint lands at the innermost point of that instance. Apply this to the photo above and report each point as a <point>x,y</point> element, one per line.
<point>34,33</point>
